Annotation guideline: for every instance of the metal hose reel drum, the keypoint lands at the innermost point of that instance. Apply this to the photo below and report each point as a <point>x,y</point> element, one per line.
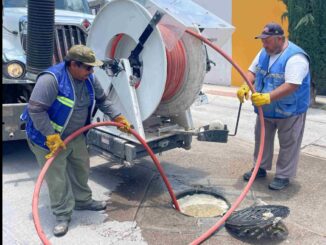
<point>129,19</point>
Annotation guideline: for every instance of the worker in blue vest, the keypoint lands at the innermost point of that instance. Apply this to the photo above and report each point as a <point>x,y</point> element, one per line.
<point>62,102</point>
<point>280,74</point>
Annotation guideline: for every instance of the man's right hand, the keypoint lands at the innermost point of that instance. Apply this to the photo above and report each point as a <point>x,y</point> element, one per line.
<point>53,141</point>
<point>122,119</point>
<point>243,92</point>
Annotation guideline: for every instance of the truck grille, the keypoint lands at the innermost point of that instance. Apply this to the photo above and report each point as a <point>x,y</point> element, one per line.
<point>65,36</point>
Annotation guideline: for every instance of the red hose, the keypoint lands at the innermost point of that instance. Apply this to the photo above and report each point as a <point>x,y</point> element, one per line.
<point>114,45</point>
<point>214,228</point>
<point>47,164</point>
<point>176,66</point>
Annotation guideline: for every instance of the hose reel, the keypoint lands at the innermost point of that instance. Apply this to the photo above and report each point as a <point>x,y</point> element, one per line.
<point>125,29</point>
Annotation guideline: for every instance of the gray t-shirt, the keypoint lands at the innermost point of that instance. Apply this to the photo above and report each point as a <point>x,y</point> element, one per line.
<point>45,93</point>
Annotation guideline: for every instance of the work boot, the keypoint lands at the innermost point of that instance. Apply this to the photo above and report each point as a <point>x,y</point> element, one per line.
<point>278,183</point>
<point>260,174</point>
<point>60,227</point>
<point>92,206</point>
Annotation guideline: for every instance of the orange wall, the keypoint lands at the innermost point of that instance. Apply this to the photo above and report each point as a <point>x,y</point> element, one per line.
<point>249,18</point>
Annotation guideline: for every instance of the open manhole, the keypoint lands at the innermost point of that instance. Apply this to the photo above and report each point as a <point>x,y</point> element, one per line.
<point>202,203</point>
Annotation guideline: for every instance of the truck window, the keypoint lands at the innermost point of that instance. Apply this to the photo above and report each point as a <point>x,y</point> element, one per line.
<point>15,3</point>
<point>71,5</point>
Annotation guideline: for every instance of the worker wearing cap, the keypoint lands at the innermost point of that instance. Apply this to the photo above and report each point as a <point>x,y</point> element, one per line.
<point>280,74</point>
<point>62,102</point>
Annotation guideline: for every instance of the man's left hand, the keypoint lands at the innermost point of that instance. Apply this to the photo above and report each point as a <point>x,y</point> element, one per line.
<point>122,119</point>
<point>259,99</point>
<point>54,142</point>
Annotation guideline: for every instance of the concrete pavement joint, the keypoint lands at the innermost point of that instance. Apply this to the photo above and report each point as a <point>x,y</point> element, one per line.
<point>313,155</point>
<point>144,196</point>
<point>319,145</point>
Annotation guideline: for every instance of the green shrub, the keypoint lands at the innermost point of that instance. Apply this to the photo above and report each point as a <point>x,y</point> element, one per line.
<point>307,28</point>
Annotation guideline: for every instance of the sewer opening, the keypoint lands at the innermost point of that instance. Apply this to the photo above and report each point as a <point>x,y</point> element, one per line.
<point>202,203</point>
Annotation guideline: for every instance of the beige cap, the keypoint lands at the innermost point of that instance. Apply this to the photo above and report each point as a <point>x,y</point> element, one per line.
<point>83,54</point>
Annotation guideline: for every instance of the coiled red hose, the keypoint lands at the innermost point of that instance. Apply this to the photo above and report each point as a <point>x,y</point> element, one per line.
<point>176,63</point>
<point>47,164</point>
<point>214,228</point>
<point>176,66</point>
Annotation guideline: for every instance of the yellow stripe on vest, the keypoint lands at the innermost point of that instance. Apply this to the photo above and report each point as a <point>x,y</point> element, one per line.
<point>56,127</point>
<point>66,101</point>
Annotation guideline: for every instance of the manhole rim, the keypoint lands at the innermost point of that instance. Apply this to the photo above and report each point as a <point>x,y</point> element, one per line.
<point>201,191</point>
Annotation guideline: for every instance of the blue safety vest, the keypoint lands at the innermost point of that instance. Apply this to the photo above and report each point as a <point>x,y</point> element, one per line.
<point>61,109</point>
<point>268,80</point>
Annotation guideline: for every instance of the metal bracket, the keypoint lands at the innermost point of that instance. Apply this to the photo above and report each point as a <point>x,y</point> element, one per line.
<point>206,134</point>
<point>127,93</point>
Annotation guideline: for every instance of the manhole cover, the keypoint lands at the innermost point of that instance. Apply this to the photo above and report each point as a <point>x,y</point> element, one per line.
<point>259,222</point>
<point>202,204</point>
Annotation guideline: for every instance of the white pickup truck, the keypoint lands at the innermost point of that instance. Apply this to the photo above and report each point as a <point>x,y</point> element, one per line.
<point>72,21</point>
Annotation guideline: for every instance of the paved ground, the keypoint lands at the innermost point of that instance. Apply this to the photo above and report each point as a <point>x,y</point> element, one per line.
<point>140,210</point>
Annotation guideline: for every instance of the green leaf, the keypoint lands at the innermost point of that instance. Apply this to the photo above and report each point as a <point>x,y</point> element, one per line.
<point>307,19</point>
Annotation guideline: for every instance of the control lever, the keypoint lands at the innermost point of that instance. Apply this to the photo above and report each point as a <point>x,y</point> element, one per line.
<point>237,123</point>
<point>134,56</point>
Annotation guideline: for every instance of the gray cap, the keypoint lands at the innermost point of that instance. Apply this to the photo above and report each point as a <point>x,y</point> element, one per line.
<point>83,54</point>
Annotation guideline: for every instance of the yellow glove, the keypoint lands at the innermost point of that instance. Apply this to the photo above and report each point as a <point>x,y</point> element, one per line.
<point>123,120</point>
<point>259,99</point>
<point>243,92</point>
<point>53,141</point>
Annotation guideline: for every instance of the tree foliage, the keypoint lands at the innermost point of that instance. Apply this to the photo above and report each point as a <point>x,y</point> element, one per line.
<point>307,28</point>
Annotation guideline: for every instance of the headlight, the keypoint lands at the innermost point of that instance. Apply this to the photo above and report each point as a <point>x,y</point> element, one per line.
<point>15,69</point>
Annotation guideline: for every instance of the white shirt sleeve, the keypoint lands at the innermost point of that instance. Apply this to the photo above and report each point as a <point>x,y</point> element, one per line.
<point>296,69</point>
<point>253,65</point>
